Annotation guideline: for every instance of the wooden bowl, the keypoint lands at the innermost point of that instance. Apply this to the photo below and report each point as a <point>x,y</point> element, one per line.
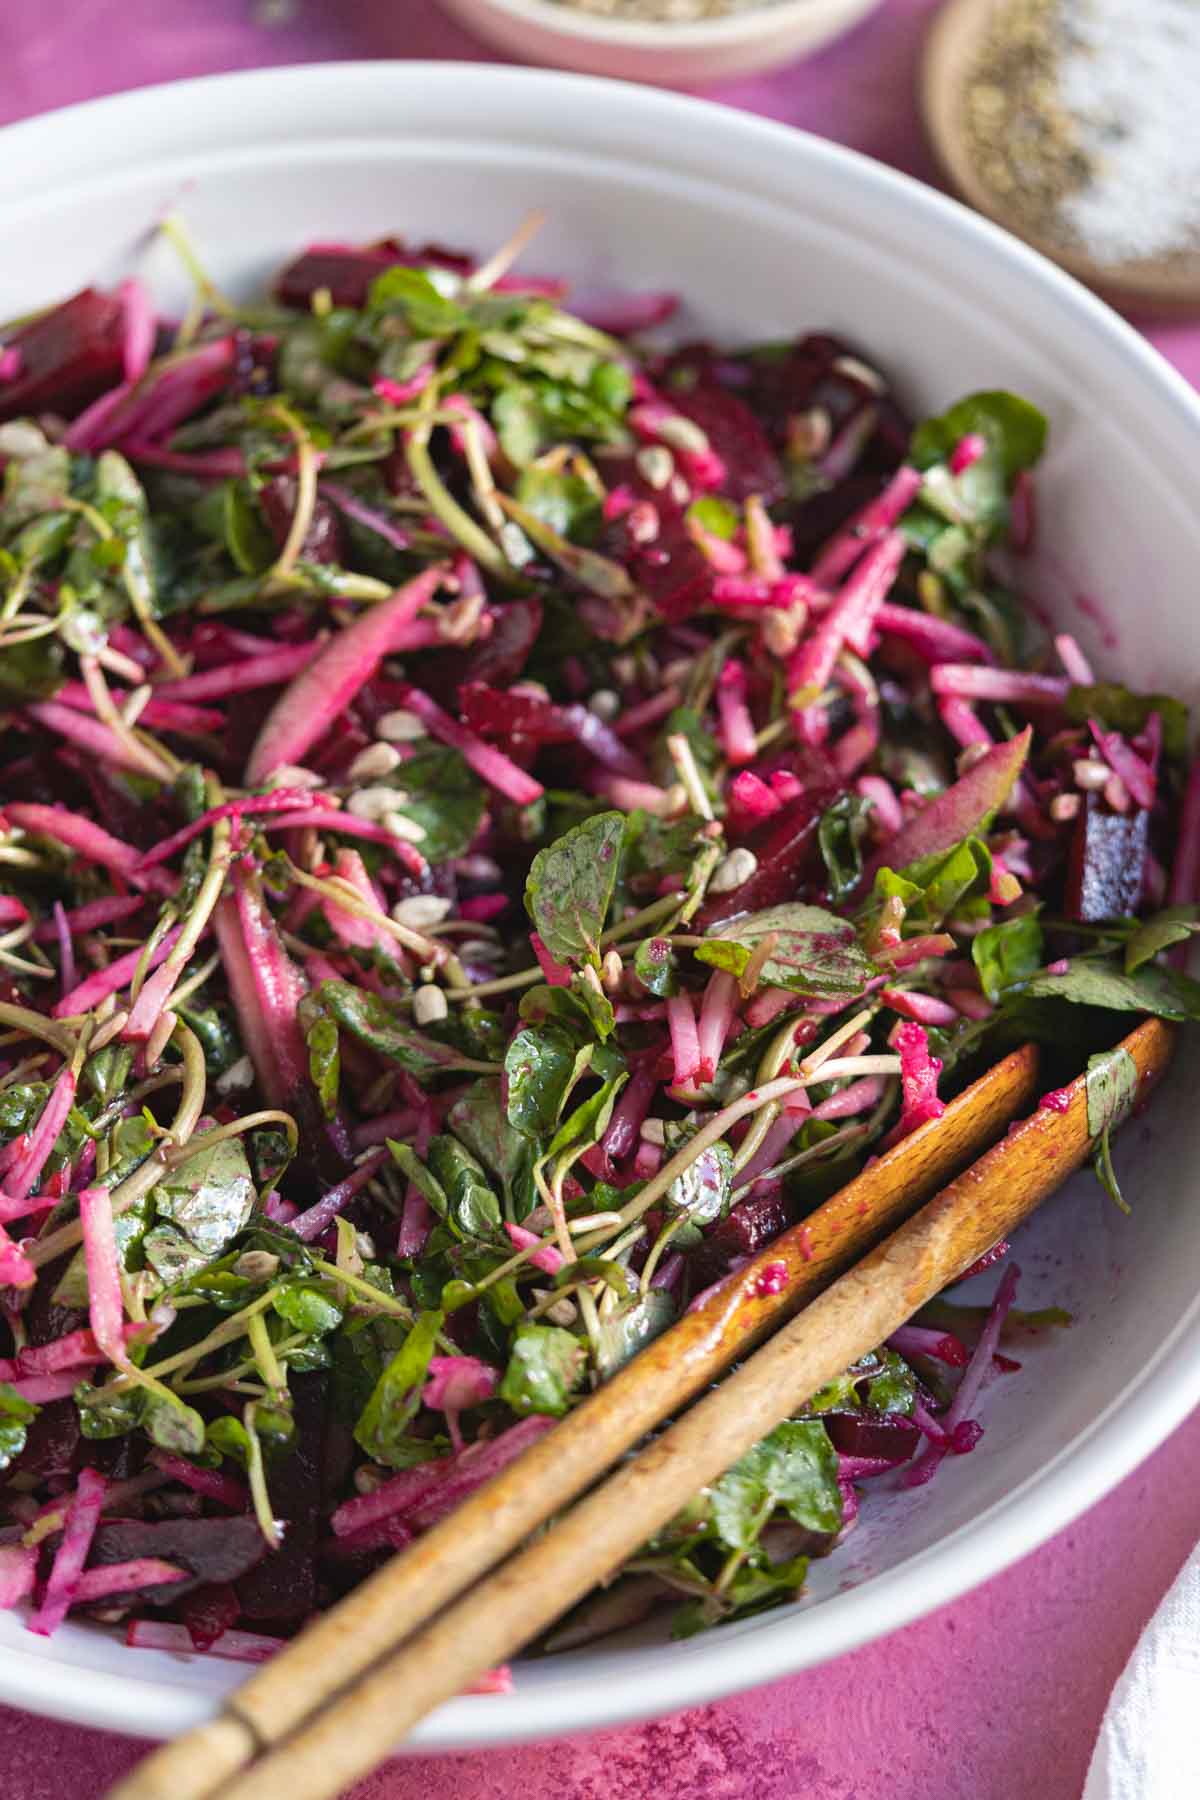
<point>1163,286</point>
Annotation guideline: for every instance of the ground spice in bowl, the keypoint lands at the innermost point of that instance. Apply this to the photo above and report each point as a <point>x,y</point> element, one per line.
<point>1083,122</point>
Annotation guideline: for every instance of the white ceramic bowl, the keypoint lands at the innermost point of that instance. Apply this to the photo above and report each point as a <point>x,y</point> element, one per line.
<point>765,232</point>
<point>668,55</point>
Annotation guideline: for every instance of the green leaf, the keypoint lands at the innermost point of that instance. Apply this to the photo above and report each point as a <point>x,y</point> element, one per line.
<point>571,884</point>
<point>1105,1173</point>
<point>173,1426</point>
<point>895,1391</point>
<point>229,1437</point>
<point>1014,429</point>
<point>657,967</point>
<point>307,1306</point>
<point>171,1256</point>
<point>841,833</point>
<point>539,1069</point>
<point>478,1119</point>
<point>632,1326</point>
<point>411,1166</point>
<point>938,885</point>
<point>1121,709</point>
<point>385,1029</point>
<point>566,502</point>
<point>437,791</point>
<point>210,1196</point>
<point>545,1366</point>
<point>794,1468</point>
<point>814,951</point>
<point>1007,953</point>
<point>716,516</point>
<point>111,1417</point>
<point>702,1193</point>
<point>1166,993</point>
<point>519,421</point>
<point>324,1063</point>
<point>33,670</point>
<point>246,537</point>
<point>754,1588</point>
<point>1174,925</point>
<point>15,1415</point>
<point>473,1209</point>
<point>397,1394</point>
<point>1111,1085</point>
<point>414,294</point>
<point>587,1124</point>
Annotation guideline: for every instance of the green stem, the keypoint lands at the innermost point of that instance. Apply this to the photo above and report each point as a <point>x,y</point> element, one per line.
<point>258,1479</point>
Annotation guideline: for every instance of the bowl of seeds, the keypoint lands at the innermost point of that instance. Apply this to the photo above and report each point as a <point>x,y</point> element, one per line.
<point>671,43</point>
<point>1074,123</point>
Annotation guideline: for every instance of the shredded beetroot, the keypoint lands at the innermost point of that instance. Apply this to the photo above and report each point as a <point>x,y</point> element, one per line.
<point>83,1516</point>
<point>918,1081</point>
<point>18,1571</point>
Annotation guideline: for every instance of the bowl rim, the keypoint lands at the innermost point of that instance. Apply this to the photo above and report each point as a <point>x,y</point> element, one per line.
<point>1166,1387</point>
<point>763,19</point>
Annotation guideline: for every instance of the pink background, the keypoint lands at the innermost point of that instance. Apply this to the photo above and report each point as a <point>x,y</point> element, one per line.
<point>997,1696</point>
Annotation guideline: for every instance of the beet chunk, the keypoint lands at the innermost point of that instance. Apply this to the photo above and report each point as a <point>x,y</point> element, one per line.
<point>751,465</point>
<point>68,356</point>
<point>742,1233</point>
<point>893,1435</point>
<point>212,1550</point>
<point>346,273</point>
<point>1107,863</point>
<point>282,1589</point>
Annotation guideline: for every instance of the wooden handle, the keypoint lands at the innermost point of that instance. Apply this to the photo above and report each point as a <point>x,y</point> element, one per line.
<point>589,1543</point>
<point>385,1609</point>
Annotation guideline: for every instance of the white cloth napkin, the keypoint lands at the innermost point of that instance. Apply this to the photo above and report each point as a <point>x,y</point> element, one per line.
<point>1149,1743</point>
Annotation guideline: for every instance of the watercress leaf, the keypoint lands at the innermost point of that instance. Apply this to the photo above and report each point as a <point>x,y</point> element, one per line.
<point>473,1209</point>
<point>414,294</point>
<point>895,1390</point>
<point>1121,709</point>
<point>397,1394</point>
<point>411,1166</point>
<point>244,531</point>
<point>210,1196</point>
<point>545,1366</point>
<point>1174,925</point>
<point>703,1191</point>
<point>1008,952</point>
<point>657,967</point>
<point>171,1256</point>
<point>32,670</point>
<point>795,1468</point>
<point>1167,993</point>
<point>1013,428</point>
<point>1111,1085</point>
<point>228,1437</point>
<point>946,880</point>
<point>110,1417</point>
<point>173,1426</point>
<point>571,884</point>
<point>538,1069</point>
<point>519,421</point>
<point>595,1004</point>
<point>1105,1173</point>
<point>627,1330</point>
<point>324,1063</point>
<point>16,1415</point>
<point>385,1029</point>
<point>478,1119</point>
<point>715,516</point>
<point>595,1268</point>
<point>309,1307</point>
<point>841,833</point>
<point>564,501</point>
<point>437,791</point>
<point>587,1123</point>
<point>813,952</point>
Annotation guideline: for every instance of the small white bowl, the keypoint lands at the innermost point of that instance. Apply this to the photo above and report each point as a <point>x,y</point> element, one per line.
<point>668,55</point>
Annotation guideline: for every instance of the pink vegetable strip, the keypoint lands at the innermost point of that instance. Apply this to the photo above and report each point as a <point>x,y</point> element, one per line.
<point>271,668</point>
<point>83,1515</point>
<point>76,1350</point>
<point>309,1225</point>
<point>67,975</point>
<point>266,988</point>
<point>849,1102</point>
<point>556,974</point>
<point>477,1464</point>
<point>11,1209</point>
<point>42,1389</point>
<point>490,764</point>
<point>956,1433</point>
<point>139,328</point>
<point>21,1175</point>
<point>548,1259</point>
<point>106,1309</point>
<point>278,800</point>
<point>962,722</point>
<point>918,1082</point>
<point>970,682</point>
<point>926,1009</point>
<point>18,1570</point>
<point>358,510</point>
<point>350,927</point>
<point>456,1383</point>
<point>1076,664</point>
<point>867,526</point>
<point>1137,774</point>
<point>961,809</point>
<point>211,1483</point>
<point>919,1340</point>
<point>90,916</point>
<point>848,619</point>
<point>323,690</point>
<point>937,640</point>
<point>325,819</point>
<point>685,1040</point>
<point>89,841</point>
<point>89,734</point>
<point>125,1578</point>
<point>118,974</point>
<point>718,1008</point>
<point>737,727</point>
<point>232,1646</point>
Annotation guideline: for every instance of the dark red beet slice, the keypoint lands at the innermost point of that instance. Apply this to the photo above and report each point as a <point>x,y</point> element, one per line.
<point>68,356</point>
<point>788,857</point>
<point>751,465</point>
<point>282,1589</point>
<point>214,1550</point>
<point>892,1435</point>
<point>512,718</point>
<point>743,1232</point>
<point>1107,863</point>
<point>209,1611</point>
<point>346,273</point>
<point>323,539</point>
<point>502,656</point>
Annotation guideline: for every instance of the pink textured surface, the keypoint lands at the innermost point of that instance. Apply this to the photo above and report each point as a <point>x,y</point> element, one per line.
<point>997,1696</point>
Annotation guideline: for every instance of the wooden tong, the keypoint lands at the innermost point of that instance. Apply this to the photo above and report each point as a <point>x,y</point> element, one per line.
<point>340,1698</point>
